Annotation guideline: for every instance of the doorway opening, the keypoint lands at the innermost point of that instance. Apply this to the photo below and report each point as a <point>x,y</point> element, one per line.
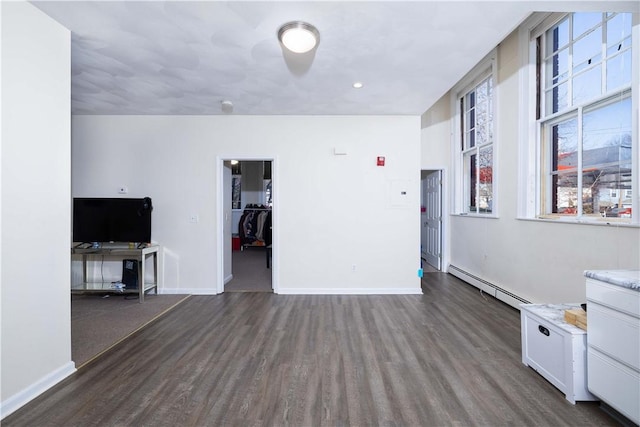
<point>247,225</point>
<point>431,220</point>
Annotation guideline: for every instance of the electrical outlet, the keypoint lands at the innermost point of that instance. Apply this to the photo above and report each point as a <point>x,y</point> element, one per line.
<point>353,267</point>
<point>194,219</point>
<point>123,190</point>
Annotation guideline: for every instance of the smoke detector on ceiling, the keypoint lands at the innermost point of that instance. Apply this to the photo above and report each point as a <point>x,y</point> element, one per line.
<point>227,107</point>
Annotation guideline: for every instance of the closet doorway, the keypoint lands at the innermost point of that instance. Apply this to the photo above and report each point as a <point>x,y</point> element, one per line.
<point>248,225</point>
<point>431,220</point>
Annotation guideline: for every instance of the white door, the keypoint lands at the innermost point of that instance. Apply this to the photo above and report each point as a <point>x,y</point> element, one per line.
<point>432,219</point>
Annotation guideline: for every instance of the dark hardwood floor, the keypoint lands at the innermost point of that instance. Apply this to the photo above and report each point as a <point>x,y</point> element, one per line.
<point>448,357</point>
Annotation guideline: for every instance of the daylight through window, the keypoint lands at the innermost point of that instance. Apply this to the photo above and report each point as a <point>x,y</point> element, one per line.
<point>476,136</point>
<point>585,107</point>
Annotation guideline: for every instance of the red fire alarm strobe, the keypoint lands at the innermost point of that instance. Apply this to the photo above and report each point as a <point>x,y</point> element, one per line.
<point>380,160</point>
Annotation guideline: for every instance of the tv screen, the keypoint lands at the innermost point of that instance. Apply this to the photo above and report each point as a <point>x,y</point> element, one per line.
<point>112,220</point>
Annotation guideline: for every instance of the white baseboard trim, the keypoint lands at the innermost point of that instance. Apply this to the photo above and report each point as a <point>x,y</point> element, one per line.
<point>228,279</point>
<point>487,287</point>
<point>304,291</point>
<point>188,291</point>
<point>349,291</point>
<point>23,397</point>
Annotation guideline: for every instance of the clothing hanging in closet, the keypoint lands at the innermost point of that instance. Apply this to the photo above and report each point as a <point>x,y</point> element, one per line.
<point>254,227</point>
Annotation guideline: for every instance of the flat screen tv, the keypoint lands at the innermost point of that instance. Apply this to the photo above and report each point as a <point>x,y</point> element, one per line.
<point>112,220</point>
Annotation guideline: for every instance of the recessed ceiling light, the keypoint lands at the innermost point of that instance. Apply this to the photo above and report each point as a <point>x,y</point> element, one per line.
<point>298,36</point>
<point>358,85</point>
<point>234,162</point>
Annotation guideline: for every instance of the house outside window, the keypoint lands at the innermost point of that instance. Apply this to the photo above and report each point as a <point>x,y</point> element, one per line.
<point>584,112</point>
<point>475,105</point>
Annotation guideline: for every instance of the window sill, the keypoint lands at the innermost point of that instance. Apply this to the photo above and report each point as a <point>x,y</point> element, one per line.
<point>602,222</point>
<point>476,215</point>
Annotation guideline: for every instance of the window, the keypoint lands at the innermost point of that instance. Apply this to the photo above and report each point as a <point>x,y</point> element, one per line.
<point>475,105</point>
<point>584,115</point>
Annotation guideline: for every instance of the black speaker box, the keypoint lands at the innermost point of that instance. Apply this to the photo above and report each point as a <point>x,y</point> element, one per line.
<point>130,273</point>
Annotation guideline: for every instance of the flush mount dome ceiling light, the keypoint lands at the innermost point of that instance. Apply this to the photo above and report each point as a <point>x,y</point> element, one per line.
<point>298,36</point>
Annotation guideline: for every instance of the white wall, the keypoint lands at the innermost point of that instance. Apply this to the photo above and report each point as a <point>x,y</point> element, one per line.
<point>436,155</point>
<point>536,260</point>
<point>35,177</point>
<point>331,212</point>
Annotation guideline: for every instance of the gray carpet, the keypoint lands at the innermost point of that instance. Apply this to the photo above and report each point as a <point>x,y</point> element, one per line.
<point>250,272</point>
<point>99,322</point>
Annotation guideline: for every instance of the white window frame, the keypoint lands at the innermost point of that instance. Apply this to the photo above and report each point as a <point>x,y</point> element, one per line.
<point>530,178</point>
<point>487,68</point>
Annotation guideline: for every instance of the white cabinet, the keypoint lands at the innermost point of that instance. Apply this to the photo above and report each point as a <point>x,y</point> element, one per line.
<point>613,340</point>
<point>555,349</point>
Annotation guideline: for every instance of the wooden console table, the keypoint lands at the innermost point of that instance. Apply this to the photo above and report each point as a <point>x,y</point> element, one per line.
<point>140,255</point>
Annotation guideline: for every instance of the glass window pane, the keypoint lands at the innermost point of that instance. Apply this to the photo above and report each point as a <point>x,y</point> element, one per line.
<point>471,139</point>
<point>565,194</point>
<point>607,134</point>
<point>557,67</point>
<point>599,61</point>
<point>471,100</point>
<point>589,190</point>
<point>481,92</point>
<point>471,182</point>
<point>481,134</point>
<point>478,130</point>
<point>481,114</point>
<point>485,187</point>
<point>605,192</point>
<point>618,29</point>
<point>619,47</point>
<point>607,161</point>
<point>557,99</point>
<point>564,146</point>
<point>583,22</point>
<point>558,36</point>
<point>619,71</point>
<point>470,129</point>
<point>587,85</point>
<point>587,50</point>
<point>470,121</point>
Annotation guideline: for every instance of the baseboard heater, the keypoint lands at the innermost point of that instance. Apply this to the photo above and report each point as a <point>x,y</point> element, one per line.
<point>488,287</point>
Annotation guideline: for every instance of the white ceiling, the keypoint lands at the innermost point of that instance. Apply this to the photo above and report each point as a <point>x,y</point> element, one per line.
<point>184,57</point>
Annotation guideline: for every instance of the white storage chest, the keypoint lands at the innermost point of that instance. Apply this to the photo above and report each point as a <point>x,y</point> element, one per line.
<point>555,349</point>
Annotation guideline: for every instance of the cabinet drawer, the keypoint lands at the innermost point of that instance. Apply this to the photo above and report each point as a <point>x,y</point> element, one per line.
<point>616,297</point>
<point>614,383</point>
<point>615,334</point>
<point>545,350</point>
